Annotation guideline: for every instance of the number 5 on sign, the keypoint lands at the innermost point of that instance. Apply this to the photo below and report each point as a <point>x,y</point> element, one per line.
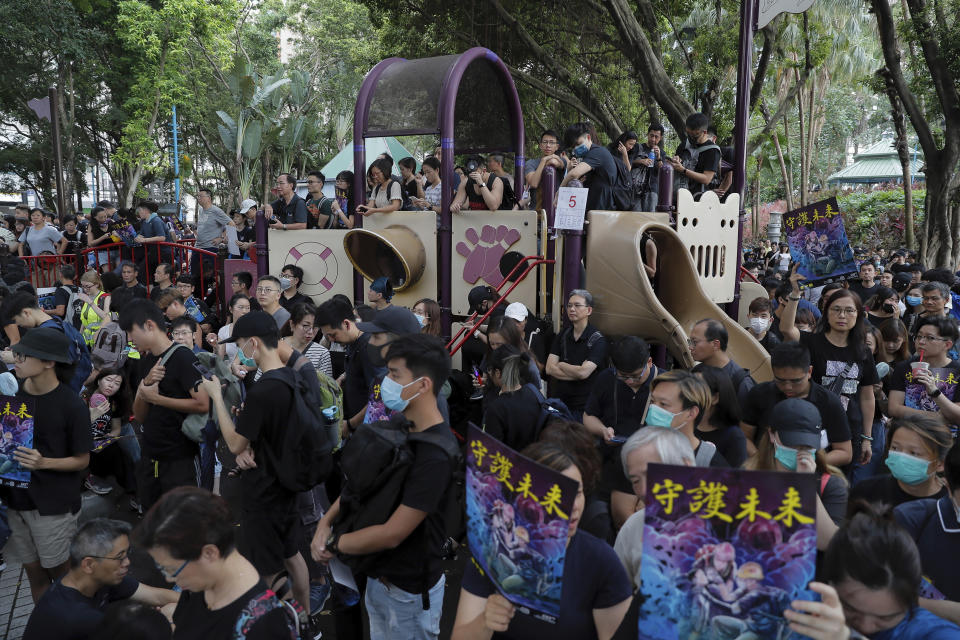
<point>571,208</point>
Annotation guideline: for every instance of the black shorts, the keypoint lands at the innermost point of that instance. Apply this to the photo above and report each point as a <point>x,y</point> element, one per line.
<point>268,537</point>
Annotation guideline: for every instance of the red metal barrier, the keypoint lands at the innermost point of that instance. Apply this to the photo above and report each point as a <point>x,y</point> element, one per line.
<point>42,270</point>
<point>745,272</point>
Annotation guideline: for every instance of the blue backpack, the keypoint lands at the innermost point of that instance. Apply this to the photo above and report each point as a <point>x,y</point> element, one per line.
<point>550,409</point>
<point>78,351</point>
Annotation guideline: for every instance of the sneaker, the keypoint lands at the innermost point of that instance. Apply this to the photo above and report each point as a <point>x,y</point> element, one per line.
<point>97,485</point>
<point>136,506</point>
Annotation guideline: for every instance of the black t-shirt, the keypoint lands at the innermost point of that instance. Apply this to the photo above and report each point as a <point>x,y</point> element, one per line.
<point>741,379</point>
<point>601,178</point>
<point>593,578</point>
<point>75,242</point>
<point>770,340</point>
<point>120,296</point>
<point>730,443</point>
<point>865,293</point>
<point>886,489</point>
<point>841,370</point>
<point>616,405</point>
<point>915,394</point>
<point>763,397</point>
<point>290,303</point>
<point>61,429</point>
<point>162,438</point>
<point>66,614</point>
<point>295,211</point>
<point>265,414</point>
<point>591,346</point>
<point>708,160</point>
<point>194,621</point>
<point>360,374</point>
<point>419,556</point>
<point>512,418</point>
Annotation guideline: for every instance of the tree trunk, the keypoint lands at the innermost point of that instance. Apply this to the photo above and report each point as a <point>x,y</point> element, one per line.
<point>903,153</point>
<point>940,223</point>
<point>804,150</point>
<point>783,171</point>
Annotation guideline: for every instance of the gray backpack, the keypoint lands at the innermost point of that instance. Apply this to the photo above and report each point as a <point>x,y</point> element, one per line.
<point>109,349</point>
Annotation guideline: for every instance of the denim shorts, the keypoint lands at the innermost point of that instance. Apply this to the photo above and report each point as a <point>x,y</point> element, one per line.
<point>395,613</point>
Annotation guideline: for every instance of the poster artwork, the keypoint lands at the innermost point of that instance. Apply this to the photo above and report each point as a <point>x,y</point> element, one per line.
<point>16,430</point>
<point>725,551</point>
<point>818,243</point>
<point>517,523</point>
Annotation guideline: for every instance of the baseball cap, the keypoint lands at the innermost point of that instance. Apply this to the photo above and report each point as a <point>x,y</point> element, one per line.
<point>517,311</point>
<point>477,296</point>
<point>797,422</point>
<point>393,319</point>
<point>253,325</point>
<point>901,281</point>
<point>44,343</point>
<point>382,286</point>
<point>247,204</point>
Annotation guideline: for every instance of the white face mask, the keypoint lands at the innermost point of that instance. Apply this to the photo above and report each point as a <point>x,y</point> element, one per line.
<point>759,325</point>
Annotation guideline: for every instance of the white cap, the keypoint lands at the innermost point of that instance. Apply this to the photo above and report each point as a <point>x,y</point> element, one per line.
<point>517,311</point>
<point>247,204</point>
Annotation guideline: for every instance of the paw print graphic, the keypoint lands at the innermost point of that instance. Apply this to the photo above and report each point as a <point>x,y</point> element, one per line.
<point>483,252</point>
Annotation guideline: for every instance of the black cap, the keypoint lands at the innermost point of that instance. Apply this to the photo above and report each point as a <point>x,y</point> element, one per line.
<point>45,343</point>
<point>797,422</point>
<point>477,296</point>
<point>255,324</point>
<point>901,281</point>
<point>382,286</point>
<point>393,319</point>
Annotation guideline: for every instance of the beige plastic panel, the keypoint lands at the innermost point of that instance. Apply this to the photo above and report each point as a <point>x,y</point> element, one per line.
<point>424,225</point>
<point>749,290</point>
<point>624,300</point>
<point>326,269</point>
<point>480,239</point>
<point>708,229</point>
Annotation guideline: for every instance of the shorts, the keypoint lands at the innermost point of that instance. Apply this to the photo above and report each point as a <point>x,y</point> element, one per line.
<point>268,537</point>
<point>35,537</point>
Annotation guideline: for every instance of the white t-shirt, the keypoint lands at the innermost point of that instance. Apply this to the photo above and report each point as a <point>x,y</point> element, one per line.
<point>380,198</point>
<point>785,261</point>
<point>629,545</point>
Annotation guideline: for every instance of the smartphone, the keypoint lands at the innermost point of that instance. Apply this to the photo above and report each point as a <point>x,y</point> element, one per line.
<point>617,440</point>
<point>203,371</point>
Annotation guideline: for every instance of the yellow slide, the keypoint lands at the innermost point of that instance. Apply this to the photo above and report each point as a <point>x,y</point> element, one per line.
<point>626,304</point>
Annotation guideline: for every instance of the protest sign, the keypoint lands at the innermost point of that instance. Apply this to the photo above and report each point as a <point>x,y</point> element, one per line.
<point>16,430</point>
<point>725,551</point>
<point>518,516</point>
<point>818,243</point>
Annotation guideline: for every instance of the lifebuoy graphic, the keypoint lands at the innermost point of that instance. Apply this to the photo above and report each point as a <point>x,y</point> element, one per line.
<point>319,266</point>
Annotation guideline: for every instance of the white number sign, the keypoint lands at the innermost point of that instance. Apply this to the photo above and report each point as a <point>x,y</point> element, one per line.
<point>571,208</point>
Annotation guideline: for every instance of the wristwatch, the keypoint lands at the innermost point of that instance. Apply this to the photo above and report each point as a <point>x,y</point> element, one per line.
<point>331,544</point>
<point>934,393</point>
<point>797,299</point>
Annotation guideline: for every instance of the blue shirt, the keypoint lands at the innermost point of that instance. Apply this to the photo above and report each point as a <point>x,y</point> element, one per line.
<point>920,625</point>
<point>153,227</point>
<point>933,526</point>
<point>67,614</point>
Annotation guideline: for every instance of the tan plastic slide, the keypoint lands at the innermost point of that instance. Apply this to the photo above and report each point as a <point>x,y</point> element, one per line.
<point>624,300</point>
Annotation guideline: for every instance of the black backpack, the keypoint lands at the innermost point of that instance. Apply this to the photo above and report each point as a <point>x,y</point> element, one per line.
<point>305,457</point>
<point>550,409</point>
<point>623,191</point>
<point>375,463</point>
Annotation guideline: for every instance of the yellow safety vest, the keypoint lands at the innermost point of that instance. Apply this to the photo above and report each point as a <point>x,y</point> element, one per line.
<point>89,320</point>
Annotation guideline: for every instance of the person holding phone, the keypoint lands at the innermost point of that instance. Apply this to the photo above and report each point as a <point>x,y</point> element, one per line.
<point>387,194</point>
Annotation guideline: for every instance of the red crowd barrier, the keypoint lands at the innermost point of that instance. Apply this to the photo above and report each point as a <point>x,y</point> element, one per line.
<point>203,264</point>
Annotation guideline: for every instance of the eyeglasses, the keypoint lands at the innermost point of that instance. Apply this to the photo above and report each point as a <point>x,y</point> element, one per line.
<point>575,305</point>
<point>693,342</point>
<point>924,337</point>
<point>120,557</point>
<point>171,576</point>
<point>267,290</point>
<point>308,328</point>
<point>843,311</point>
<point>87,285</point>
<point>549,143</point>
<point>182,334</point>
<point>630,376</point>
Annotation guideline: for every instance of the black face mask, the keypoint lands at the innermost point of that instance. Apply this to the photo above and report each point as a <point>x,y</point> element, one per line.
<point>373,352</point>
<point>694,140</point>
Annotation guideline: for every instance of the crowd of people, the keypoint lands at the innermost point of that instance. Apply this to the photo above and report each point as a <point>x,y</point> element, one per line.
<point>260,450</point>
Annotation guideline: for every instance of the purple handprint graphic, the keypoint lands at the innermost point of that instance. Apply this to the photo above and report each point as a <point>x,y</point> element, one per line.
<point>483,252</point>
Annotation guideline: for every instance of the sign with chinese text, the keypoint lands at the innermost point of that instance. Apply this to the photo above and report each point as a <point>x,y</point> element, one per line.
<point>571,208</point>
<point>16,430</point>
<point>818,243</point>
<point>725,551</point>
<point>518,515</point>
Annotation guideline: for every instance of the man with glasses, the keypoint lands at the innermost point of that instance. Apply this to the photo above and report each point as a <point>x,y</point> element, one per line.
<point>792,372</point>
<point>533,168</point>
<point>73,606</point>
<point>928,387</point>
<point>708,344</point>
<point>268,295</point>
<point>212,223</point>
<point>289,211</point>
<point>291,295</point>
<point>577,354</point>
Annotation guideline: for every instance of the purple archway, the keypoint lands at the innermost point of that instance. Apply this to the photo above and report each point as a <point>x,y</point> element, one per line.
<point>420,97</point>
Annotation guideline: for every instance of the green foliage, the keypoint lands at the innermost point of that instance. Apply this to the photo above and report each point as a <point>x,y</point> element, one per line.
<point>875,218</point>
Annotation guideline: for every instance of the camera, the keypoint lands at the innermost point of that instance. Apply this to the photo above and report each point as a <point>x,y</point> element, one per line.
<point>472,165</point>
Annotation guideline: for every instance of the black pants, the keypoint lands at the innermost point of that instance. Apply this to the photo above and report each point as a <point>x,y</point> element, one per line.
<point>156,477</point>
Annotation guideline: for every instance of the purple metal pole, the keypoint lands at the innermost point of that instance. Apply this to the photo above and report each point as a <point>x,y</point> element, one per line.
<point>361,112</point>
<point>748,12</point>
<point>263,254</point>
<point>548,184</point>
<point>447,108</point>
<point>572,257</point>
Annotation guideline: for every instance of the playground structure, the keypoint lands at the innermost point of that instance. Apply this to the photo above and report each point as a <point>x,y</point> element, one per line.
<point>470,102</point>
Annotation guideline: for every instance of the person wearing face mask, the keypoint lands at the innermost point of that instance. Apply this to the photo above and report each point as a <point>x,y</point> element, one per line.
<point>678,400</point>
<point>697,161</point>
<point>593,165</point>
<point>793,443</point>
<point>934,524</point>
<point>929,387</point>
<point>760,315</point>
<point>917,446</point>
<point>404,594</point>
<point>914,302</point>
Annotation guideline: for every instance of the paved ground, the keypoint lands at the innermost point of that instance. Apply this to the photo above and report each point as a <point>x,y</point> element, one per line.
<point>15,602</point>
